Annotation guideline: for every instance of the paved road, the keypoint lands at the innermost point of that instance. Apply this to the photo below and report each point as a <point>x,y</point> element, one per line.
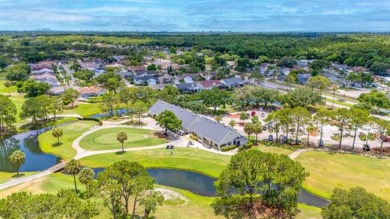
<point>284,89</point>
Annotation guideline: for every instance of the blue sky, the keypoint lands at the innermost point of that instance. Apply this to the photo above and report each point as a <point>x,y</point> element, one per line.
<point>196,15</point>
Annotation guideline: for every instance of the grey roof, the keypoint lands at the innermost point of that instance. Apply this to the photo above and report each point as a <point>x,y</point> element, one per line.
<point>214,131</point>
<point>144,78</point>
<point>187,117</point>
<point>202,126</point>
<point>303,78</point>
<point>231,81</point>
<point>187,87</point>
<point>125,74</point>
<point>147,73</point>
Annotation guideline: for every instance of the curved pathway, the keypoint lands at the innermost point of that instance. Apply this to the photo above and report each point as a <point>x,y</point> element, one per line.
<point>82,153</point>
<point>296,153</point>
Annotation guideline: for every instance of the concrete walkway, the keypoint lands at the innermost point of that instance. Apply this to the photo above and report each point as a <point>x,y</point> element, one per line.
<point>82,153</point>
<point>150,124</point>
<point>296,153</point>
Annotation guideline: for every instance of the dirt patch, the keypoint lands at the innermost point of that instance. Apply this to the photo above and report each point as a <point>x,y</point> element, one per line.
<point>160,135</point>
<point>233,116</point>
<point>172,195</point>
<point>32,186</point>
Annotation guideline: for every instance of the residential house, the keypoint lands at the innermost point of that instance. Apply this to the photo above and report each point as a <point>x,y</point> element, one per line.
<point>303,78</point>
<point>116,65</point>
<point>210,84</point>
<point>57,91</point>
<point>157,86</point>
<point>282,77</point>
<point>42,71</point>
<point>47,78</point>
<point>340,67</point>
<point>304,63</point>
<point>208,76</point>
<point>88,92</point>
<point>166,79</point>
<point>231,64</point>
<point>186,78</point>
<point>42,65</point>
<point>137,68</point>
<point>233,82</point>
<point>93,66</point>
<point>125,74</point>
<point>188,87</point>
<point>141,80</point>
<point>144,73</point>
<point>357,69</point>
<point>208,132</point>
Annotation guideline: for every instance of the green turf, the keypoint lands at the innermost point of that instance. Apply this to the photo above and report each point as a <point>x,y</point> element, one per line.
<point>6,176</point>
<point>273,149</point>
<point>71,131</point>
<point>328,171</point>
<point>85,109</point>
<point>182,158</point>
<point>105,139</point>
<point>308,212</point>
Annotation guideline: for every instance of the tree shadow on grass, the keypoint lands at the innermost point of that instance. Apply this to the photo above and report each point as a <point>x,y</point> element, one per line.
<point>18,176</point>
<point>120,152</point>
<point>56,144</point>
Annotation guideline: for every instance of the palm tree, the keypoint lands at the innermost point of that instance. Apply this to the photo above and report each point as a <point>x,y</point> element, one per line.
<point>122,137</point>
<point>73,167</point>
<point>17,158</point>
<point>86,175</point>
<point>57,133</point>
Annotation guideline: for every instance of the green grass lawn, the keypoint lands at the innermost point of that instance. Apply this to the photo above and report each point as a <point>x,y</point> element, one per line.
<point>182,158</point>
<point>308,212</point>
<point>6,176</point>
<point>17,98</point>
<point>336,101</point>
<point>328,171</point>
<point>273,149</point>
<point>85,109</point>
<point>71,131</point>
<point>105,139</point>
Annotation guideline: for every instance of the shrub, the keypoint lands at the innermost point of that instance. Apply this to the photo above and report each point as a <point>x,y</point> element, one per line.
<point>194,137</point>
<point>228,148</point>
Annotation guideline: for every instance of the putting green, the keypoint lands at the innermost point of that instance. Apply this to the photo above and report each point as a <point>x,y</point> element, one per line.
<point>105,139</point>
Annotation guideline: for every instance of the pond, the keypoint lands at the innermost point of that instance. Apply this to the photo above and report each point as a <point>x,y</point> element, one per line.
<point>204,185</point>
<point>27,142</point>
<point>117,112</point>
<point>36,160</point>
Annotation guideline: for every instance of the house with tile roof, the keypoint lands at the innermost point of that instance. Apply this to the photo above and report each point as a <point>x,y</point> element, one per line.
<point>209,132</point>
<point>210,84</point>
<point>88,92</point>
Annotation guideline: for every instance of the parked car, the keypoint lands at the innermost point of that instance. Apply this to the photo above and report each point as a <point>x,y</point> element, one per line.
<point>270,138</point>
<point>366,147</point>
<point>283,139</point>
<point>262,114</point>
<point>264,128</point>
<point>181,132</point>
